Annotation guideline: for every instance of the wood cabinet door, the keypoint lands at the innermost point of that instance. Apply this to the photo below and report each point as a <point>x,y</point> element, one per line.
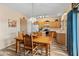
<point>55,24</point>
<point>61,38</point>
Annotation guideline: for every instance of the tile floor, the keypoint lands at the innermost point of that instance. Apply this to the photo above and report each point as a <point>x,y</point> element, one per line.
<point>56,50</point>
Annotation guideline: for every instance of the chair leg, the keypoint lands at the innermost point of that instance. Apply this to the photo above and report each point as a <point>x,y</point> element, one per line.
<point>41,51</point>
<point>32,52</point>
<point>46,50</point>
<point>18,54</point>
<point>49,50</point>
<point>24,52</point>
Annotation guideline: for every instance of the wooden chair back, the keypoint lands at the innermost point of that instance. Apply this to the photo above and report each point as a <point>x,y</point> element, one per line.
<point>28,41</point>
<point>52,34</point>
<point>20,35</point>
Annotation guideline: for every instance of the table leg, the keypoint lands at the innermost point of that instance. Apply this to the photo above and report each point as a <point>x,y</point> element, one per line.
<point>49,50</point>
<point>17,46</point>
<point>46,50</point>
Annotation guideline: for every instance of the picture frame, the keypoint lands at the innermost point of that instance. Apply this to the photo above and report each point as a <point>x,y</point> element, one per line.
<point>11,23</point>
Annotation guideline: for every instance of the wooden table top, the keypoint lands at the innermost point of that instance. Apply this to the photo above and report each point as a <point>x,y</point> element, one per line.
<point>38,39</point>
<point>42,39</point>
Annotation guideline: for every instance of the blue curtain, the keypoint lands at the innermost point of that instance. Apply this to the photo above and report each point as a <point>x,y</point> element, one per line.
<point>72,33</point>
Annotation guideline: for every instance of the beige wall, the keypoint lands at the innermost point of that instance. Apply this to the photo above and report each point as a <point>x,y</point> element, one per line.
<point>7,34</point>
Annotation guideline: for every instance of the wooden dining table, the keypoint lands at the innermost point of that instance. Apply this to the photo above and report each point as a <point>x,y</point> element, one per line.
<point>39,39</point>
<point>44,40</point>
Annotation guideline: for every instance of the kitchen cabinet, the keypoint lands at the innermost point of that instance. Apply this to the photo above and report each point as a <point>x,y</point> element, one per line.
<point>61,38</point>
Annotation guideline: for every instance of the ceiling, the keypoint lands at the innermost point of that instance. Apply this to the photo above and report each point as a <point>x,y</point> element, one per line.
<point>39,9</point>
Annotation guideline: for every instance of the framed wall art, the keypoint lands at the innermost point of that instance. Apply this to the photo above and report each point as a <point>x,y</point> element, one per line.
<point>12,23</point>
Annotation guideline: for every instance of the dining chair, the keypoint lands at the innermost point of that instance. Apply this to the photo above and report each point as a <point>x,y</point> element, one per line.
<point>29,46</point>
<point>52,35</point>
<point>19,42</point>
<point>21,34</point>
